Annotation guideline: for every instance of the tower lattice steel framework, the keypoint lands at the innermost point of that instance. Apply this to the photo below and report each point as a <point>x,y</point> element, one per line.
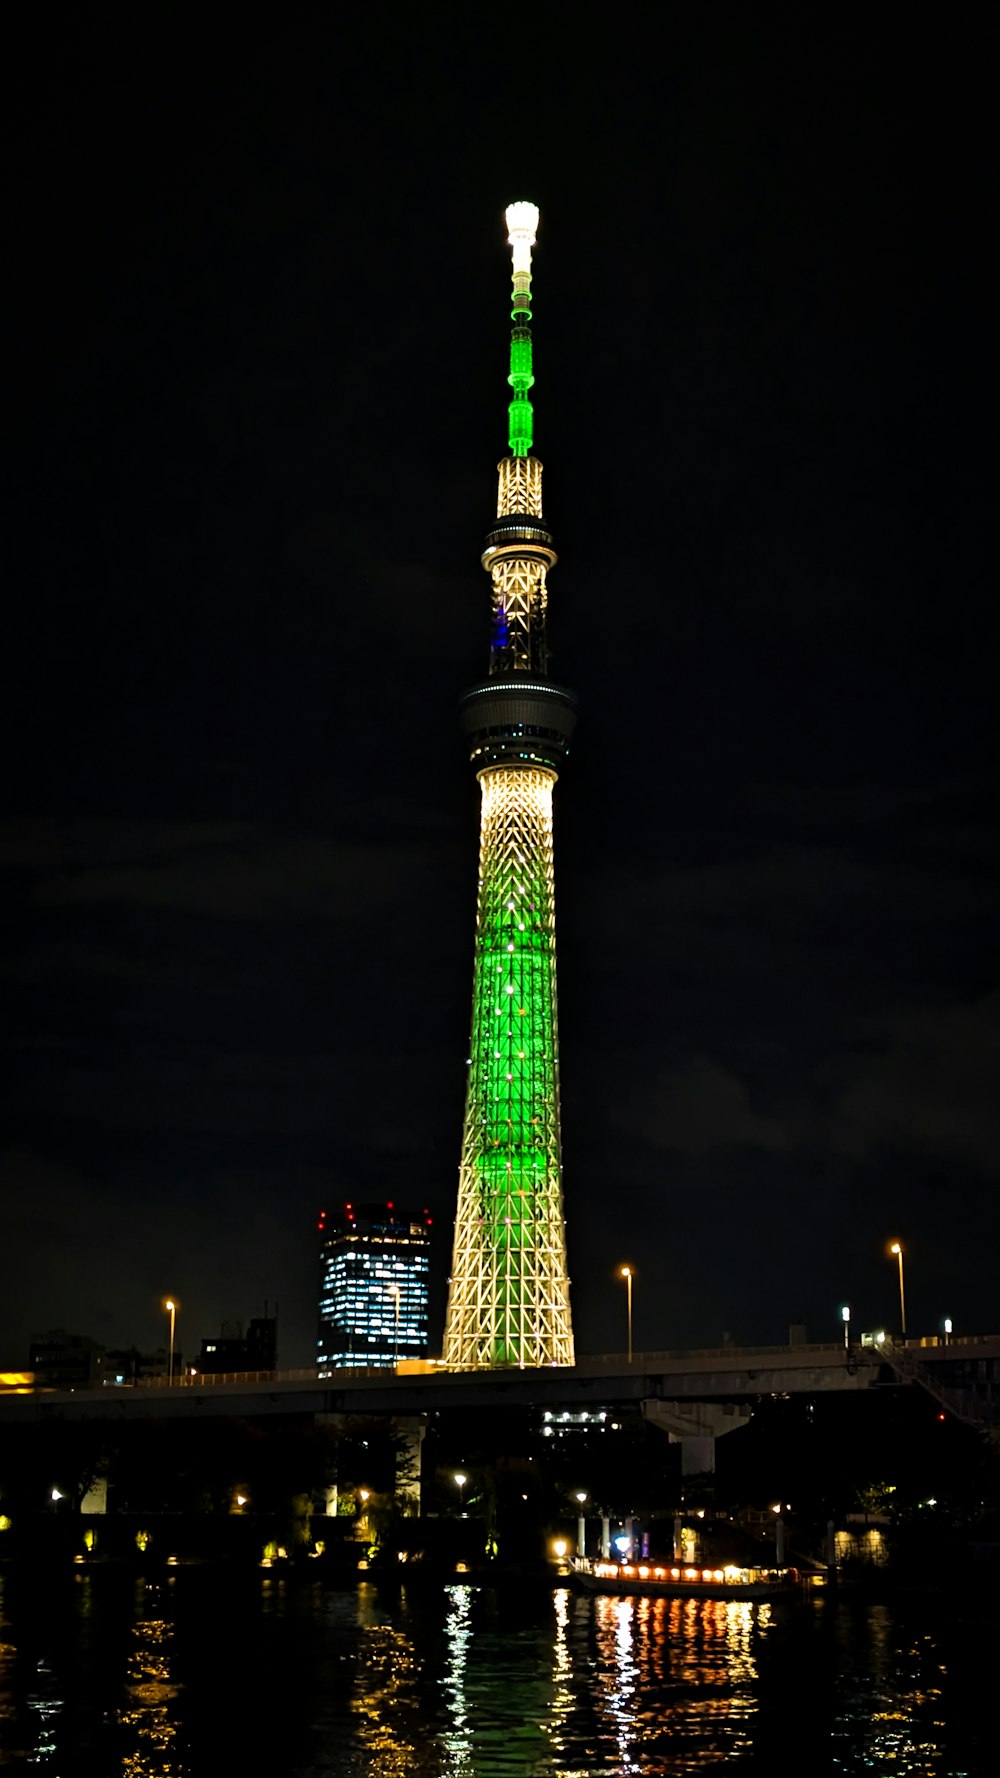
<point>508,1297</point>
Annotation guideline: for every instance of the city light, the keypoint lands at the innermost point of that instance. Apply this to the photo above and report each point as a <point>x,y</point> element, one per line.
<point>626,1273</point>
<point>171,1308</point>
<point>897,1249</point>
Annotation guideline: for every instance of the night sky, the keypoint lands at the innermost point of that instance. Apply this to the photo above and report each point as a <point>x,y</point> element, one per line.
<point>259,347</point>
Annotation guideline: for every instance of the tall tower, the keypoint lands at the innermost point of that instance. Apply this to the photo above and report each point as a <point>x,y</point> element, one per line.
<point>508,1297</point>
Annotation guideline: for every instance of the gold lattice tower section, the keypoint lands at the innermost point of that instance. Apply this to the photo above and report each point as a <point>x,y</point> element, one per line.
<point>509,1294</point>
<point>520,486</point>
<point>517,557</point>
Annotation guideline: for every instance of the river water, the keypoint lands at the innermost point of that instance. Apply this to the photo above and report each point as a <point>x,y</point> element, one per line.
<point>207,1674</point>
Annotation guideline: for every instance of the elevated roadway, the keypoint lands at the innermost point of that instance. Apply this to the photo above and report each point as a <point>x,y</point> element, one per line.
<point>726,1375</point>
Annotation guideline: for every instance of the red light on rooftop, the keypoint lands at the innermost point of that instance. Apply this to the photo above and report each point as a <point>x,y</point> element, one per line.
<point>389,1206</point>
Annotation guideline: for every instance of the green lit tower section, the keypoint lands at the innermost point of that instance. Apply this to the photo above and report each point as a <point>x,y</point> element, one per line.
<point>508,1296</point>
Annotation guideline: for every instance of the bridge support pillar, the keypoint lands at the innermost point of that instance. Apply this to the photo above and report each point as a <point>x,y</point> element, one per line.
<point>695,1426</point>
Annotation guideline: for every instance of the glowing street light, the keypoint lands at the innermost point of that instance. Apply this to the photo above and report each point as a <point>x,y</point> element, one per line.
<point>460,1480</point>
<point>171,1308</point>
<point>581,1524</point>
<point>626,1273</point>
<point>897,1249</point>
<point>845,1316</point>
<point>947,1329</point>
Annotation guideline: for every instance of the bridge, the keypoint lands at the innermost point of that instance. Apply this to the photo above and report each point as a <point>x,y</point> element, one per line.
<point>694,1396</point>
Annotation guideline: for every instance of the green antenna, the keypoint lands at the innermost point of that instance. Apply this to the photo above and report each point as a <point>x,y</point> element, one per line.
<point>522,221</point>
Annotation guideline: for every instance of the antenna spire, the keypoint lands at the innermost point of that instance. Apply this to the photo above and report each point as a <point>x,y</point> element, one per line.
<point>522,221</point>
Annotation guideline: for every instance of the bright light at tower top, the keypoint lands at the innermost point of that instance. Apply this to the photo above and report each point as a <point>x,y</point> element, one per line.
<point>522,222</point>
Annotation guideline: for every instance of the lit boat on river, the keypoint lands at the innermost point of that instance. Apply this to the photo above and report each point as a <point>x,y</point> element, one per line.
<point>682,1580</point>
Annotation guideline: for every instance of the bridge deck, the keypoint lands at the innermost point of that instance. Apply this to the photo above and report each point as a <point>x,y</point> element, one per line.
<point>723,1374</point>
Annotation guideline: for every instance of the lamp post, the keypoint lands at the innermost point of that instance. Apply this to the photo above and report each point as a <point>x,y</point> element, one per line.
<point>171,1308</point>
<point>947,1329</point>
<point>897,1249</point>
<point>581,1525</point>
<point>460,1481</point>
<point>845,1316</point>
<point>626,1273</point>
<point>394,1293</point>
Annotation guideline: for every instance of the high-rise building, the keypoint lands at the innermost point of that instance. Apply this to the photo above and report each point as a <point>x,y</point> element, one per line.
<point>374,1262</point>
<point>508,1297</point>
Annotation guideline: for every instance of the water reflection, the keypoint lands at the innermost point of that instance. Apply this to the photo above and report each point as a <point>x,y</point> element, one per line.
<point>44,1709</point>
<point>384,1704</point>
<point>891,1695</point>
<point>456,1738</point>
<point>563,1688</point>
<point>677,1680</point>
<point>204,1677</point>
<point>149,1716</point>
<point>8,1708</point>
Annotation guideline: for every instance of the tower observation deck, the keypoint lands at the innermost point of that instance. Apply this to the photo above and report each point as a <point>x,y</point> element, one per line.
<point>508,1296</point>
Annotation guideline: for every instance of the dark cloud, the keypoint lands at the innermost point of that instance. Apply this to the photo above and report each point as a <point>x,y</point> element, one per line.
<point>926,1084</point>
<point>699,1107</point>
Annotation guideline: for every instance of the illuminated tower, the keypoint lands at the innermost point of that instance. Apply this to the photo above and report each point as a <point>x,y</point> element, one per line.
<point>508,1297</point>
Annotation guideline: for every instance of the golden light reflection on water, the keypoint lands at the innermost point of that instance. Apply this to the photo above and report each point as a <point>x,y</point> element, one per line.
<point>894,1709</point>
<point>149,1717</point>
<point>384,1705</point>
<point>695,1658</point>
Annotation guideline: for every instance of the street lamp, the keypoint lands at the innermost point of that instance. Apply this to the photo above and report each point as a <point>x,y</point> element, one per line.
<point>626,1273</point>
<point>581,1524</point>
<point>394,1292</point>
<point>845,1316</point>
<point>171,1308</point>
<point>460,1480</point>
<point>897,1249</point>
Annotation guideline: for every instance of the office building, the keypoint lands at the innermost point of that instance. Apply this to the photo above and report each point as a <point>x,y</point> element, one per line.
<point>374,1265</point>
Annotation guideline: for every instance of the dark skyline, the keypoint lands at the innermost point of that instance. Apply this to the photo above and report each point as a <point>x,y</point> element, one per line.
<point>258,337</point>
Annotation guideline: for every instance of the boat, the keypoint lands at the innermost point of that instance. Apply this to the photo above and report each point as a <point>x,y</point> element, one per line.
<point>682,1581</point>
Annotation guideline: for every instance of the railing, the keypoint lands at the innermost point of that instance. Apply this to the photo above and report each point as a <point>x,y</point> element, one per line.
<point>216,1379</point>
<point>905,1357</point>
<point>977,1405</point>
